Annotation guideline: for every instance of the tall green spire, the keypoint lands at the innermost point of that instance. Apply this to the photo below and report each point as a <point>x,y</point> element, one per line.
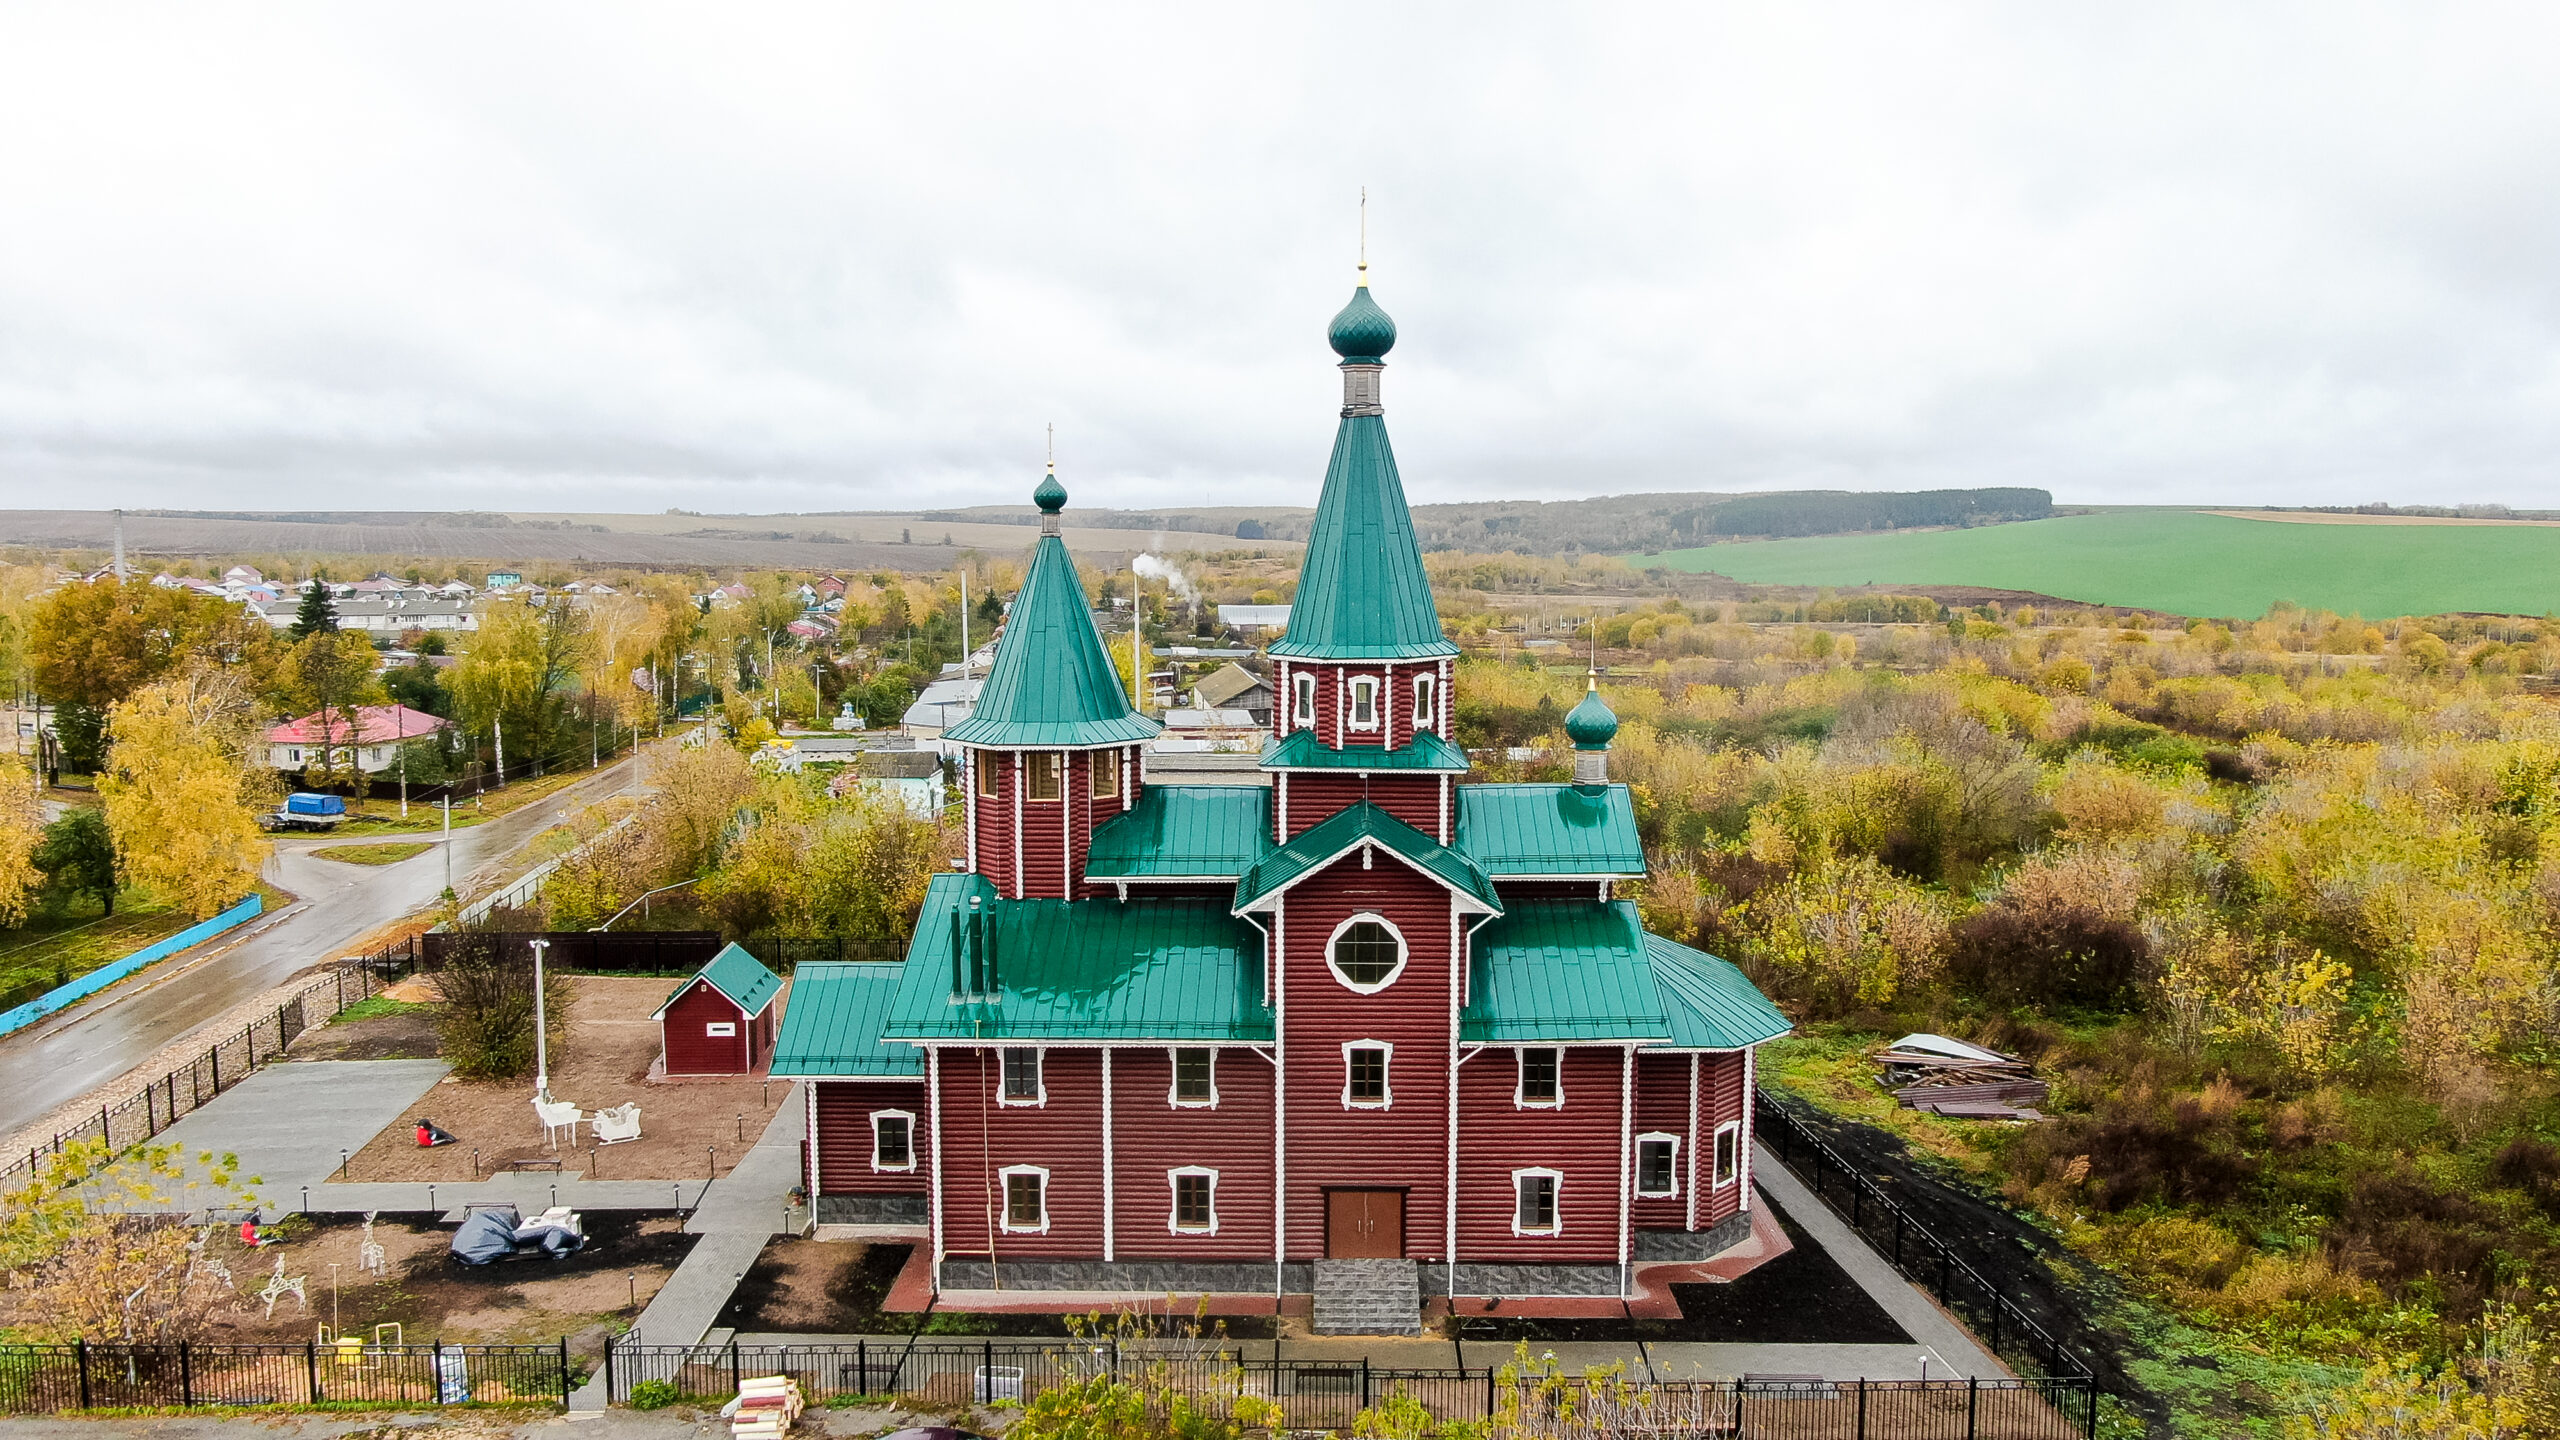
<point>1362,593</point>
<point>1052,682</point>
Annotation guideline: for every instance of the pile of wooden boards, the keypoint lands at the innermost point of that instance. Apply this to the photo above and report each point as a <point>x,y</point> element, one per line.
<point>1961,1080</point>
<point>767,1406</point>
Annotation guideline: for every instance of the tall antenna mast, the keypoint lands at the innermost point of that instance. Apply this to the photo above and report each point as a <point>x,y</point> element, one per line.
<point>1364,234</point>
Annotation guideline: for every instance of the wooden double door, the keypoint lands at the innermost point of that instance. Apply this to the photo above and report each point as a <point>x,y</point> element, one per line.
<point>1364,1224</point>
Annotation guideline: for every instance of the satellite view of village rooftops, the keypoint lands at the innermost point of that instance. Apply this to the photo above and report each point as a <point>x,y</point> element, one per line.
<point>1138,741</point>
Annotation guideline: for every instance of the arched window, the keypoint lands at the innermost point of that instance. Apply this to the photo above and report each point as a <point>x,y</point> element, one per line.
<point>1366,953</point>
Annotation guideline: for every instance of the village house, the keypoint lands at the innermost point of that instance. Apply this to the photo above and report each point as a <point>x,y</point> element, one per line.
<point>1364,1038</point>
<point>375,732</point>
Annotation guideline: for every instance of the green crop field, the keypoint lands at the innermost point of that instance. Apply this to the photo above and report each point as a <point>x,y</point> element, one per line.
<point>2180,561</point>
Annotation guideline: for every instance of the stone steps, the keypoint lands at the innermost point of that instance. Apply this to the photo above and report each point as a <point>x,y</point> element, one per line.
<point>1368,1297</point>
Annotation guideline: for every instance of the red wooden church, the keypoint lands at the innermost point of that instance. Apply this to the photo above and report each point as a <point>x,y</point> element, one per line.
<point>1370,1034</point>
<point>722,1020</point>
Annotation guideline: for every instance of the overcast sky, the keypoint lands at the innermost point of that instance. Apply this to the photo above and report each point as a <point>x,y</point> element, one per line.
<point>614,257</point>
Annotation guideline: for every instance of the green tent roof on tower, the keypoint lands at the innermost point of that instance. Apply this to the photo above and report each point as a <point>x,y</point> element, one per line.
<point>1362,593</point>
<point>1052,683</point>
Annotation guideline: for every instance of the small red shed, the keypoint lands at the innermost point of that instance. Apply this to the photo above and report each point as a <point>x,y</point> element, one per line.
<point>722,1019</point>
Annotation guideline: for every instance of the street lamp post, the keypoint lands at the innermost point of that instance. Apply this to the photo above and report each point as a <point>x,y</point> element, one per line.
<point>541,1029</point>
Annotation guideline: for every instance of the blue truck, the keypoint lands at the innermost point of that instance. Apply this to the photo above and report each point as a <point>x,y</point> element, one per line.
<point>306,811</point>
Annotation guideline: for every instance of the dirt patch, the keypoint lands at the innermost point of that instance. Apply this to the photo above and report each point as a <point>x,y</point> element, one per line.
<point>400,1035</point>
<point>835,1287</point>
<point>433,1296</point>
<point>689,1129</point>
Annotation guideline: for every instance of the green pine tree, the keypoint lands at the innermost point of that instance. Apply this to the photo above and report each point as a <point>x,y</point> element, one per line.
<point>319,612</point>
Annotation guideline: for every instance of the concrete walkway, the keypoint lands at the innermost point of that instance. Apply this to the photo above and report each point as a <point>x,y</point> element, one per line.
<point>1918,1315</point>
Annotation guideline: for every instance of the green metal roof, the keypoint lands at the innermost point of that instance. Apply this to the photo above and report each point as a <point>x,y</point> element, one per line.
<point>833,1026</point>
<point>1562,971</point>
<point>1549,830</point>
<point>1712,1005</point>
<point>1348,828</point>
<point>1361,333</point>
<point>1052,683</point>
<point>1301,750</point>
<point>1087,970</point>
<point>1591,724</point>
<point>734,973</point>
<point>1362,593</point>
<point>1211,831</point>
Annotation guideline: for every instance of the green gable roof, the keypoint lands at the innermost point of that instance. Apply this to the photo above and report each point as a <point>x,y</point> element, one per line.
<point>1212,832</point>
<point>734,973</point>
<point>1562,971</point>
<point>1362,593</point>
<point>1301,750</point>
<point>1087,970</point>
<point>1712,1004</point>
<point>833,1026</point>
<point>1052,683</point>
<point>1549,830</point>
<point>1348,828</point>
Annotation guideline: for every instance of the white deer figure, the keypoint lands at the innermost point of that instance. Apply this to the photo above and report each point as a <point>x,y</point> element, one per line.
<point>369,1254</point>
<point>279,1287</point>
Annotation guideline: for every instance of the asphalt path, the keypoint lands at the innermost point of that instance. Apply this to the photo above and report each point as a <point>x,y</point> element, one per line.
<point>65,1056</point>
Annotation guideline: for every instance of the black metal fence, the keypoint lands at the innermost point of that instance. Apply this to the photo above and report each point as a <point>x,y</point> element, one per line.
<point>647,952</point>
<point>1329,1395</point>
<point>1923,1258</point>
<point>782,952</point>
<point>40,1379</point>
<point>146,1112</point>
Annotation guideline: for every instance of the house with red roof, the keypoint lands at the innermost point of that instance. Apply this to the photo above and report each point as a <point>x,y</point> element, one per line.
<point>375,732</point>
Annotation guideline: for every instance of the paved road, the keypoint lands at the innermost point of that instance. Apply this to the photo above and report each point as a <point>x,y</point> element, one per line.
<point>52,1063</point>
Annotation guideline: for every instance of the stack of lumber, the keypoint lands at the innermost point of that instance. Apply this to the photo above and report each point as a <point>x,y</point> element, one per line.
<point>1954,1078</point>
<point>767,1406</point>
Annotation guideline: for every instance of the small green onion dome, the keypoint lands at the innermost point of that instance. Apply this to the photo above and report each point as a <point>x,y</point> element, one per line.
<point>1592,724</point>
<point>1362,334</point>
<point>1051,497</point>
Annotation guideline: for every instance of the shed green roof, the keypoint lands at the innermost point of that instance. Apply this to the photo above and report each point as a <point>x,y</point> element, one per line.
<point>1561,972</point>
<point>1168,970</point>
<point>734,973</point>
<point>1347,829</point>
<point>1362,593</point>
<point>1052,683</point>
<point>1301,750</point>
<point>1711,1003</point>
<point>1213,832</point>
<point>1518,830</point>
<point>833,1027</point>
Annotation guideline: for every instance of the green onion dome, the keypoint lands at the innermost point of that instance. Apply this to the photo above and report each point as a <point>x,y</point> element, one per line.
<point>1592,724</point>
<point>1362,334</point>
<point>1051,497</point>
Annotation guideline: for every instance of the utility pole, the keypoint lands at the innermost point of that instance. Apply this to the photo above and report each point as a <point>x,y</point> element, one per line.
<point>498,735</point>
<point>447,802</point>
<point>541,1030</point>
<point>400,722</point>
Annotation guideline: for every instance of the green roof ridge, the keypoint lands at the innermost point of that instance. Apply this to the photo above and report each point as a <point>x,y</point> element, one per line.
<point>1362,593</point>
<point>1337,833</point>
<point>1052,682</point>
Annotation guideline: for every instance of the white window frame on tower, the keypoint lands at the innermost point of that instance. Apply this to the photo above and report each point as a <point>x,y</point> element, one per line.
<point>906,1117</point>
<point>1302,686</point>
<point>1425,692</point>
<point>1657,1137</point>
<point>1173,1211</point>
<point>1363,695</point>
<point>1004,1199</point>
<point>1386,1075</point>
<point>1404,952</point>
<point>1718,1176</point>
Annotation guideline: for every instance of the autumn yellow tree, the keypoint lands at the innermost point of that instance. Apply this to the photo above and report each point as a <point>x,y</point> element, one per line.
<point>181,789</point>
<point>21,831</point>
<point>89,1239</point>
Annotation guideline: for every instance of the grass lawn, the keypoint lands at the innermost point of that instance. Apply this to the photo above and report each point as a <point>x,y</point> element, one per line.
<point>53,947</point>
<point>2184,562</point>
<point>388,853</point>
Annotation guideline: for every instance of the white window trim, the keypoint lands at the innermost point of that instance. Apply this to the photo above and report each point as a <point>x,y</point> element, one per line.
<point>1173,1200</point>
<point>876,1117</point>
<point>1004,1199</point>
<point>1667,1138</point>
<point>1039,1073</point>
<point>1526,1172</point>
<point>1303,683</point>
<point>720,1029</point>
<point>1360,685</point>
<point>1173,1081</point>
<point>1520,1079</point>
<point>1057,758</point>
<point>1390,1101</point>
<point>1735,1126</point>
<point>1404,952</point>
<point>1425,696</point>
